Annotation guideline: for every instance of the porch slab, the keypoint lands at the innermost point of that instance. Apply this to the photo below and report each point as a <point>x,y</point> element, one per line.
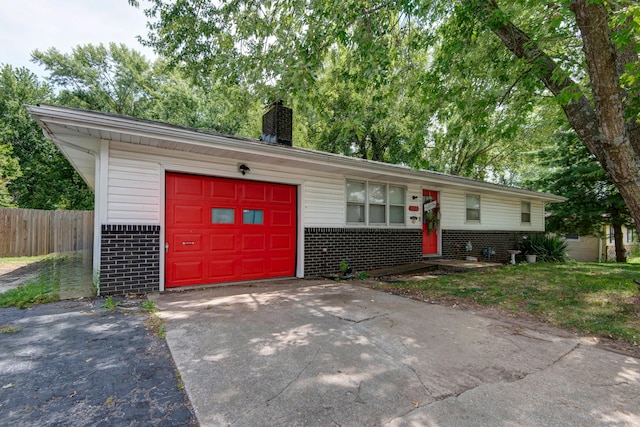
<point>448,265</point>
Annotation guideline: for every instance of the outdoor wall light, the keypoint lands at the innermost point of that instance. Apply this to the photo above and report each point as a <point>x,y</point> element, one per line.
<point>243,169</point>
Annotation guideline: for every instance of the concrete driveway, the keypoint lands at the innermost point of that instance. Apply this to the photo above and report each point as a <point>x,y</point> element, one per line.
<point>335,354</point>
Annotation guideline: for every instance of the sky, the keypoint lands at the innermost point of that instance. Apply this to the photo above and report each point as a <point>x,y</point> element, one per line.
<point>26,25</point>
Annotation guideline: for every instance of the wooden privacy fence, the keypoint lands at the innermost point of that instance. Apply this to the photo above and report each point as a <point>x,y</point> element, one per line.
<point>30,232</point>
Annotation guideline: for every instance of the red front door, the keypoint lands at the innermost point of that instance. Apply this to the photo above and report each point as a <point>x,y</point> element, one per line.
<point>430,222</point>
<point>222,230</point>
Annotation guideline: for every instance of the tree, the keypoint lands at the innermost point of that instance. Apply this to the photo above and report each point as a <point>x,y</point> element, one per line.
<point>282,45</point>
<point>603,115</point>
<point>9,171</point>
<point>39,177</point>
<point>114,79</point>
<point>568,168</point>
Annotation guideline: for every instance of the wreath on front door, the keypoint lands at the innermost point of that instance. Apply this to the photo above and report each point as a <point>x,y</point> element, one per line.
<point>431,217</point>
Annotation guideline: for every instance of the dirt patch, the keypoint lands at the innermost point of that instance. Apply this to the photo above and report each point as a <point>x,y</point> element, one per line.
<point>15,274</point>
<point>519,320</point>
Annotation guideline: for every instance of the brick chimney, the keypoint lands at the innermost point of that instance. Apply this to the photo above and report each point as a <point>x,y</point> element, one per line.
<point>277,124</point>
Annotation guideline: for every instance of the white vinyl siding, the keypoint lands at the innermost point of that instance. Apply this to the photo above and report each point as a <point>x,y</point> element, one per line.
<point>135,192</point>
<point>586,249</point>
<point>322,201</point>
<point>498,213</point>
<point>133,195</point>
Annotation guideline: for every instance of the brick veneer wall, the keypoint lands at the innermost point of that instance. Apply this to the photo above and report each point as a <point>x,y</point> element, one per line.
<point>130,259</point>
<point>366,248</point>
<point>454,243</point>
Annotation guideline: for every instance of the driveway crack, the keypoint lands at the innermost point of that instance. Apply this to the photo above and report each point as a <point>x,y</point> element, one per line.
<point>296,377</point>
<point>275,396</point>
<point>361,320</point>
<point>456,395</point>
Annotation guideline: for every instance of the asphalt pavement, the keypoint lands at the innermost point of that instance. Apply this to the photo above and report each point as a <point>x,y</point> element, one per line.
<point>73,363</point>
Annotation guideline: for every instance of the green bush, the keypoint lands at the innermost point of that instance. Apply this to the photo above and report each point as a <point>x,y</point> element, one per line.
<point>547,248</point>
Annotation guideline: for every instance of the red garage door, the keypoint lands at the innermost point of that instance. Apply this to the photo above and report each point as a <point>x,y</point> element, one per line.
<point>222,230</point>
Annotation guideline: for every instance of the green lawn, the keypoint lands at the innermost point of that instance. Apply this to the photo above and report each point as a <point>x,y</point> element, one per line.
<point>44,287</point>
<point>588,298</point>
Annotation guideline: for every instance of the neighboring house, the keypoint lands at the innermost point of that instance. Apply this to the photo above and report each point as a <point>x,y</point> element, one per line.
<point>178,207</point>
<point>596,249</point>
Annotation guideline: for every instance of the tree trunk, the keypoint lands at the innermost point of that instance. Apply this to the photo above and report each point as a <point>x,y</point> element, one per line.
<point>621,255</point>
<point>604,129</point>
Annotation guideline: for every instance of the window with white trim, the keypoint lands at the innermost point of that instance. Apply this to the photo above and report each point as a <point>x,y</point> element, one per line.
<point>632,236</point>
<point>375,203</point>
<point>396,205</point>
<point>356,201</point>
<point>473,208</point>
<point>525,212</point>
<point>572,237</point>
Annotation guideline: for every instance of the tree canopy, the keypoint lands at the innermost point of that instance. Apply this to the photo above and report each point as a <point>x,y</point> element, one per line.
<point>568,168</point>
<point>38,176</point>
<point>114,79</point>
<point>582,53</point>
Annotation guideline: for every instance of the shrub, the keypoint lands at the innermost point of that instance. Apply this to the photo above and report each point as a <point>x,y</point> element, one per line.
<point>547,248</point>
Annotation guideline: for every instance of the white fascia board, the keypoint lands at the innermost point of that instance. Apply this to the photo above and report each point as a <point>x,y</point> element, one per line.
<point>305,158</point>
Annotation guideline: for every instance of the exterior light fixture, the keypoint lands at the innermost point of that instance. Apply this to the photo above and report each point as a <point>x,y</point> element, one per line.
<point>243,169</point>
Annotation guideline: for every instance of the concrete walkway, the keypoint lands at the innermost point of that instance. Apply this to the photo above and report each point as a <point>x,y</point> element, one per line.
<point>342,355</point>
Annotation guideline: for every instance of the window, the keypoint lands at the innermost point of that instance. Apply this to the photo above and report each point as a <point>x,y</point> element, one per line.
<point>356,198</point>
<point>632,236</point>
<point>375,203</point>
<point>396,205</point>
<point>611,234</point>
<point>252,216</point>
<point>222,216</point>
<point>473,207</point>
<point>525,212</point>
<point>572,237</point>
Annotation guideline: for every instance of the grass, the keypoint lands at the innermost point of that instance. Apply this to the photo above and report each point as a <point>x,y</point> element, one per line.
<point>8,329</point>
<point>156,325</point>
<point>588,298</point>
<point>23,259</point>
<point>43,288</point>
<point>36,291</point>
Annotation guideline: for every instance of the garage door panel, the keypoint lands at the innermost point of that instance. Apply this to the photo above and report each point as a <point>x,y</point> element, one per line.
<point>187,242</point>
<point>284,195</point>
<point>254,192</point>
<point>187,214</point>
<point>241,230</point>
<point>279,265</point>
<point>222,191</point>
<point>253,242</point>
<point>222,242</point>
<point>252,266</point>
<point>281,218</point>
<point>186,185</point>
<point>187,270</point>
<point>280,241</point>
<point>221,269</point>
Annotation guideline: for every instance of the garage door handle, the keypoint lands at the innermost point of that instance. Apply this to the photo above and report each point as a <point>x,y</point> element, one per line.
<point>188,243</point>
